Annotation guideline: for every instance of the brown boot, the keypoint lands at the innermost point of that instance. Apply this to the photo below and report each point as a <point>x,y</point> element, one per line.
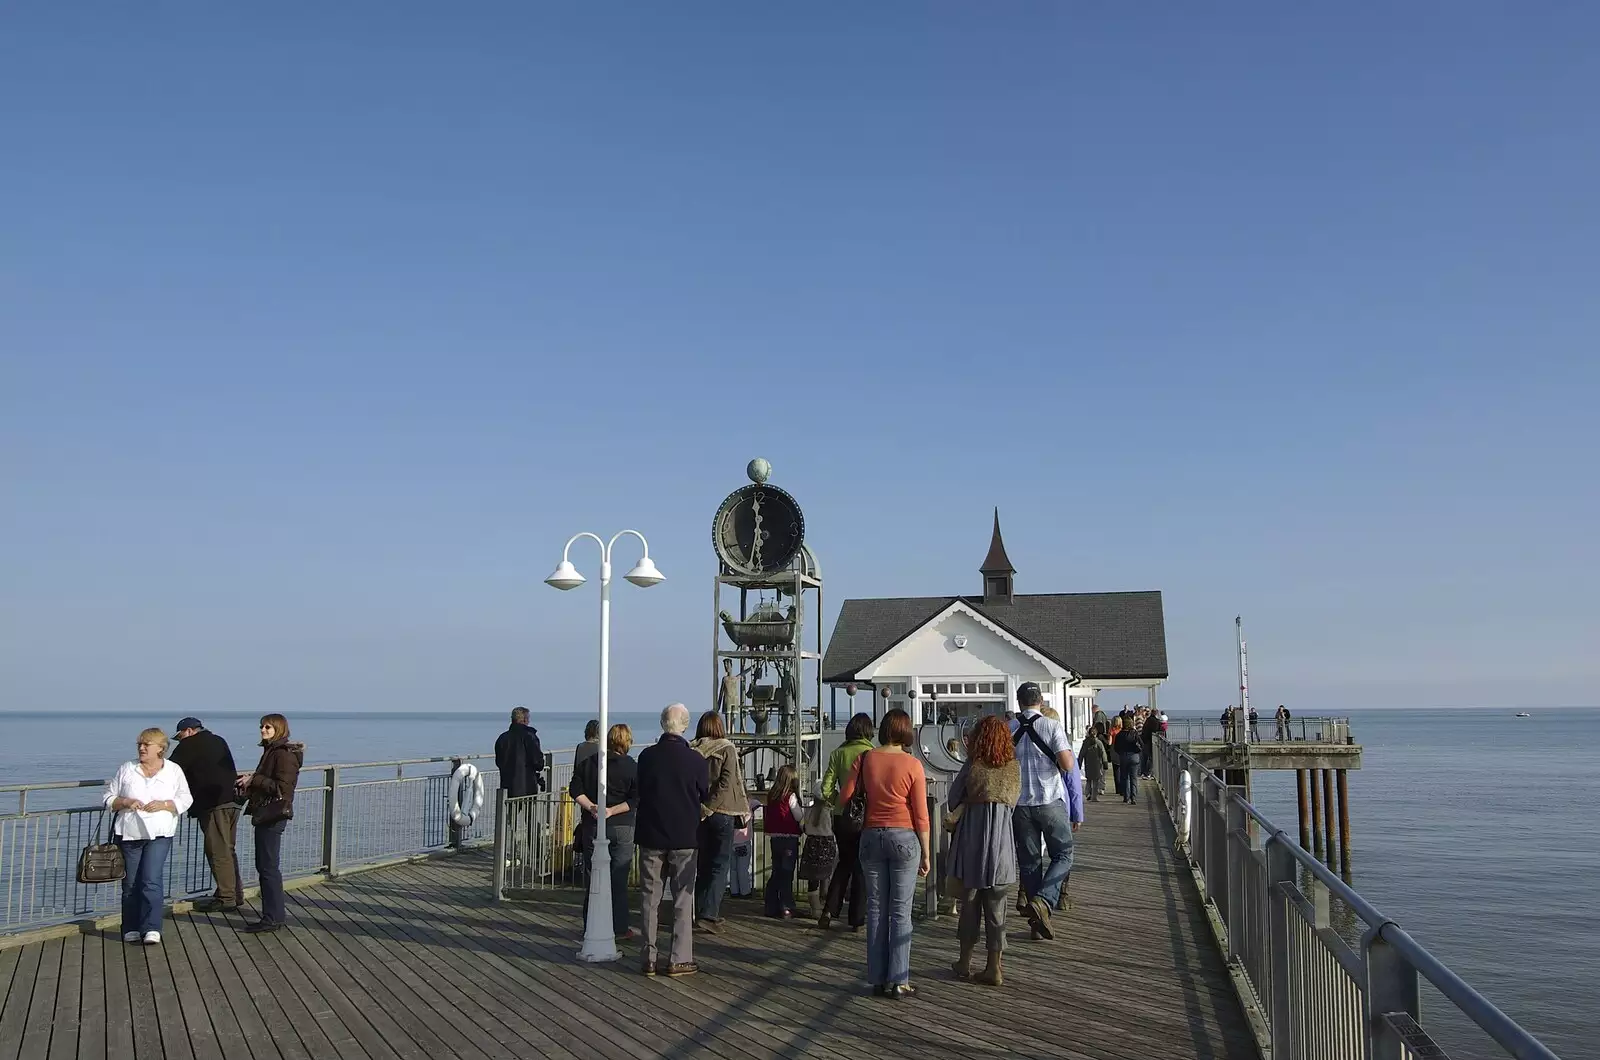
<point>991,974</point>
<point>963,965</point>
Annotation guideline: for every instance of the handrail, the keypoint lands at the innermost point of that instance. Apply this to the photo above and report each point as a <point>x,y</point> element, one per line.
<point>341,822</point>
<point>48,785</point>
<point>1257,897</point>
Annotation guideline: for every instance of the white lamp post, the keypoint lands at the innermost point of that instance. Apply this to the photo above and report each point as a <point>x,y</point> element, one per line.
<point>599,933</point>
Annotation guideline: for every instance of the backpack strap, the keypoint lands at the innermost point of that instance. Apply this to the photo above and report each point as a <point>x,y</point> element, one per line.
<point>1025,725</point>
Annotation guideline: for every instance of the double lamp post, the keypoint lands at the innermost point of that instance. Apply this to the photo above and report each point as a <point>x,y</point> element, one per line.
<point>599,932</point>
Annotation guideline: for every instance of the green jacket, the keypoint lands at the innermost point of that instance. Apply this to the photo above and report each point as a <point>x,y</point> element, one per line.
<point>840,763</point>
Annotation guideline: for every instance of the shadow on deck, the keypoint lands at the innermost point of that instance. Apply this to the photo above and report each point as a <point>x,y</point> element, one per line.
<point>415,961</point>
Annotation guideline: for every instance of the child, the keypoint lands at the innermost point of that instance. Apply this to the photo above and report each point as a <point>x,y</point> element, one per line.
<point>1093,756</point>
<point>742,876</point>
<point>782,819</point>
<point>819,855</point>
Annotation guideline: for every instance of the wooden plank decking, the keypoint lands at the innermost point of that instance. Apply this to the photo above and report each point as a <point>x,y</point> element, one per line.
<point>414,963</point>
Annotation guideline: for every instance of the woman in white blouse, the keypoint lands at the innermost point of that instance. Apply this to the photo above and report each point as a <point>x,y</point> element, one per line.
<point>147,795</point>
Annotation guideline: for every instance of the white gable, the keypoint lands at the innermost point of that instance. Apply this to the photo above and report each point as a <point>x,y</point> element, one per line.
<point>932,651</point>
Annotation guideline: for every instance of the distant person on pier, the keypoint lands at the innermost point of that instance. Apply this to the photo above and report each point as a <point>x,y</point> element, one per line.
<point>726,806</point>
<point>519,757</point>
<point>983,851</point>
<point>207,763</point>
<point>1147,743</point>
<point>1041,821</point>
<point>1093,757</point>
<point>1282,719</point>
<point>846,890</point>
<point>673,782</point>
<point>269,789</point>
<point>622,800</point>
<point>1255,725</point>
<point>895,849</point>
<point>146,795</point>
<point>590,745</point>
<point>1129,748</point>
<point>1116,759</point>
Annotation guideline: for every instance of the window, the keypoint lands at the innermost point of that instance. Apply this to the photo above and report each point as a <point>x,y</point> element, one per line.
<point>927,690</point>
<point>970,688</point>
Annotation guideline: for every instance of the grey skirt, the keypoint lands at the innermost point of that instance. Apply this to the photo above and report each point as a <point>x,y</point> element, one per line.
<point>983,851</point>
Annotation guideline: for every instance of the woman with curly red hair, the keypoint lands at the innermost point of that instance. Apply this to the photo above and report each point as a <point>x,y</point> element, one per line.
<point>983,852</point>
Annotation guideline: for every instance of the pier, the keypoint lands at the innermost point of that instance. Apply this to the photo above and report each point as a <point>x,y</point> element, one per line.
<point>1198,929</point>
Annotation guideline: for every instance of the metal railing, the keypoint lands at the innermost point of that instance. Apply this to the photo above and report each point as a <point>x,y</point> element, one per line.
<point>535,847</point>
<point>1319,996</point>
<point>1266,730</point>
<point>346,816</point>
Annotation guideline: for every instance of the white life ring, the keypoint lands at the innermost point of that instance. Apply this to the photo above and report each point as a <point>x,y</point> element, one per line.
<point>466,778</point>
<point>1185,806</point>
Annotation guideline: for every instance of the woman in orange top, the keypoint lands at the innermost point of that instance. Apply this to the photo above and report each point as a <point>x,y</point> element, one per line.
<point>894,849</point>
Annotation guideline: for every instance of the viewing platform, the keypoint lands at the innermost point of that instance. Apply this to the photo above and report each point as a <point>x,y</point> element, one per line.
<point>1197,929</point>
<point>419,961</point>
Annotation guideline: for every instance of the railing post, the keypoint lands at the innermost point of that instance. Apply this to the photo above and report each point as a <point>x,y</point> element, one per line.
<point>456,832</point>
<point>1391,987</point>
<point>330,821</point>
<point>1237,845</point>
<point>499,844</point>
<point>1216,871</point>
<point>930,887</point>
<point>1281,876</point>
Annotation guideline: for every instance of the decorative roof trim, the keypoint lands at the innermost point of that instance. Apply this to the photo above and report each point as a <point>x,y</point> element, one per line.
<point>1055,667</point>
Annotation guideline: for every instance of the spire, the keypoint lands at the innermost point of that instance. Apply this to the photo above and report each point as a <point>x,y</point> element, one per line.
<point>997,562</point>
<point>997,570</point>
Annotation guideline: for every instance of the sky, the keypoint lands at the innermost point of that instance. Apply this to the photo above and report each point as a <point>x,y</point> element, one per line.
<point>322,328</point>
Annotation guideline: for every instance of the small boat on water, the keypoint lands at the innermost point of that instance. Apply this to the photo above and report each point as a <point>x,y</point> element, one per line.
<point>1523,714</point>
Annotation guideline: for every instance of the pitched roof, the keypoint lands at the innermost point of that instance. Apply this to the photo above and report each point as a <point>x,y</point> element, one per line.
<point>1099,636</point>
<point>997,562</point>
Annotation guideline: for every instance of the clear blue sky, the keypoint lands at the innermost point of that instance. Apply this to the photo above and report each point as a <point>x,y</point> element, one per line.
<point>323,326</point>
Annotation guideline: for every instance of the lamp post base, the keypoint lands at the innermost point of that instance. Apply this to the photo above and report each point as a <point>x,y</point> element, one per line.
<point>599,932</point>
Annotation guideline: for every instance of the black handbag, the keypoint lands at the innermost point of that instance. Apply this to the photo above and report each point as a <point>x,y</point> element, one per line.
<point>854,817</point>
<point>271,812</point>
<point>102,862</point>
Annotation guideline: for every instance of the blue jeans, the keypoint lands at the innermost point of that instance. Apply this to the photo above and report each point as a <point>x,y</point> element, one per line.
<point>269,874</point>
<point>144,888</point>
<point>1130,777</point>
<point>889,858</point>
<point>780,882</point>
<point>1036,829</point>
<point>711,875</point>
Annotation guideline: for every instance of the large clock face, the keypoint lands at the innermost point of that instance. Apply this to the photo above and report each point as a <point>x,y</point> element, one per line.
<point>758,530</point>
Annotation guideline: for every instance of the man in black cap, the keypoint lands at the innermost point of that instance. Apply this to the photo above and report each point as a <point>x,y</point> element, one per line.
<point>208,765</point>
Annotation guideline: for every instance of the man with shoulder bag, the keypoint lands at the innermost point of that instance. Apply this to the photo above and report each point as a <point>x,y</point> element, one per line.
<point>1041,822</point>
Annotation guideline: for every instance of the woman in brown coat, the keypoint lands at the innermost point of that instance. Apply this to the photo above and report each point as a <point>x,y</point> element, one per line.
<point>270,805</point>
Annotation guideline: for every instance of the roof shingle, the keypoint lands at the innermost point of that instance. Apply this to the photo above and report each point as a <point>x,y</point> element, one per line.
<point>1099,636</point>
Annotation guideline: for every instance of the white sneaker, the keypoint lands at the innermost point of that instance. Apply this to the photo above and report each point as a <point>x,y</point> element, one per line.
<point>152,938</point>
<point>132,936</point>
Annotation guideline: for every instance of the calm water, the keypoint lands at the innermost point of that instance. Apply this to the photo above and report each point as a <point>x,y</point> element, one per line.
<point>1475,830</point>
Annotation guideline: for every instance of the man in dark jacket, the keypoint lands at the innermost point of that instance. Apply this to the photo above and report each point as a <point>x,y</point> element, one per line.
<point>519,757</point>
<point>207,764</point>
<point>674,781</point>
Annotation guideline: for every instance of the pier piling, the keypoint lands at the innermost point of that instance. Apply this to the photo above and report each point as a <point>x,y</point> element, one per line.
<point>1344,821</point>
<point>1305,809</point>
<point>1316,813</point>
<point>1327,809</point>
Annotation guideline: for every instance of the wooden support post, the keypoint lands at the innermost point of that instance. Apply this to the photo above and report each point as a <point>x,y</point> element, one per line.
<point>1316,813</point>
<point>1344,820</point>
<point>1305,809</point>
<point>1327,809</point>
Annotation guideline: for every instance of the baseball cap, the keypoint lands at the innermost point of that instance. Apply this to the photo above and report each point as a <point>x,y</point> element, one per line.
<point>1028,694</point>
<point>188,723</point>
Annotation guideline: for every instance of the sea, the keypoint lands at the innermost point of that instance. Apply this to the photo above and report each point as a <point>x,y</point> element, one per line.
<point>1475,830</point>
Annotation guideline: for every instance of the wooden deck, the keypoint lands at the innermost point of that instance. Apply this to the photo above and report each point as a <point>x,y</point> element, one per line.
<point>415,962</point>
